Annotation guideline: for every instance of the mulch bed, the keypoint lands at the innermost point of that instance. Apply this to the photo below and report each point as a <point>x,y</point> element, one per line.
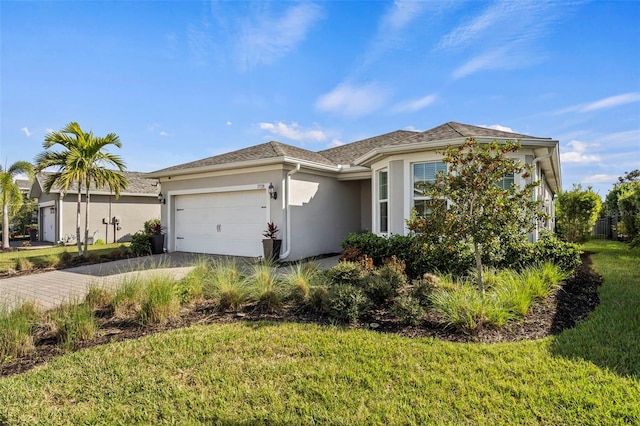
<point>568,306</point>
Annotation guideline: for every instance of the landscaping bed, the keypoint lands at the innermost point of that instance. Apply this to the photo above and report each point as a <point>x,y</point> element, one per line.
<point>566,307</point>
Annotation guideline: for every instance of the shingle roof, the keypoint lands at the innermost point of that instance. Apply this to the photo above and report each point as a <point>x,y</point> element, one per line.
<point>348,153</point>
<point>138,184</point>
<point>258,152</point>
<point>345,154</point>
<point>23,184</point>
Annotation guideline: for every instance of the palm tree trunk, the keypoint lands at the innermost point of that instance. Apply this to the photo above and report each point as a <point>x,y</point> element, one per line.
<point>78,243</point>
<point>5,225</point>
<point>86,221</point>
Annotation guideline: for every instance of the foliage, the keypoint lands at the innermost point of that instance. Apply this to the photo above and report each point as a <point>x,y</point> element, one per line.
<point>383,284</point>
<point>576,213</point>
<point>98,298</point>
<point>159,301</point>
<point>16,330</point>
<point>346,302</point>
<point>10,195</point>
<point>23,264</point>
<point>549,248</point>
<point>99,242</point>
<point>226,284</point>
<point>265,287</point>
<point>73,323</point>
<point>302,278</point>
<point>629,207</point>
<point>408,309</point>
<point>347,273</point>
<point>140,244</point>
<point>271,231</point>
<point>26,215</point>
<point>83,162</point>
<point>153,227</point>
<point>478,210</point>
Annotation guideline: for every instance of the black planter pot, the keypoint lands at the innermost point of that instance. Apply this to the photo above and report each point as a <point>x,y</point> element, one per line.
<point>271,249</point>
<point>157,243</point>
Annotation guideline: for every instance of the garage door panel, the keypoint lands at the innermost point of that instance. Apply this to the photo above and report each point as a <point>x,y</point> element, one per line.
<point>221,223</point>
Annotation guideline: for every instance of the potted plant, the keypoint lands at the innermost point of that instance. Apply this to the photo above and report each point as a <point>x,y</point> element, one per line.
<point>33,233</point>
<point>271,245</point>
<point>156,237</point>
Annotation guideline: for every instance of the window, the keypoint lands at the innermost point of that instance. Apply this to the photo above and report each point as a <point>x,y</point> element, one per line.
<point>507,181</point>
<point>424,173</point>
<point>383,201</point>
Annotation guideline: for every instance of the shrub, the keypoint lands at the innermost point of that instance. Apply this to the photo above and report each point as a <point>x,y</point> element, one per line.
<point>93,257</point>
<point>346,302</point>
<point>577,212</point>
<point>140,244</point>
<point>346,273</point>
<point>23,264</point>
<point>65,257</point>
<point>319,299</point>
<point>377,289</point>
<point>73,323</point>
<point>629,206</point>
<point>49,261</point>
<point>408,309</point>
<point>549,248</point>
<point>160,302</point>
<point>99,242</point>
<point>16,330</point>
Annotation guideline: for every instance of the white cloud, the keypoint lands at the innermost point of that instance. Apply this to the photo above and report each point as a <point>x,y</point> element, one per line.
<point>26,131</point>
<point>353,101</point>
<point>229,123</point>
<point>266,39</point>
<point>600,178</point>
<point>578,154</point>
<point>502,37</point>
<point>497,127</point>
<point>412,129</point>
<point>163,133</point>
<point>334,143</point>
<point>416,104</point>
<point>293,131</point>
<point>610,102</point>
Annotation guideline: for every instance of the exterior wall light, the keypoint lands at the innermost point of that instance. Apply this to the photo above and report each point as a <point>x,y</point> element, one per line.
<point>272,192</point>
<point>161,199</point>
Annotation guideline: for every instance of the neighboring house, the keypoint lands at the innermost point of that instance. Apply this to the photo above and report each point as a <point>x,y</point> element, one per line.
<point>221,204</point>
<point>24,185</point>
<point>111,219</point>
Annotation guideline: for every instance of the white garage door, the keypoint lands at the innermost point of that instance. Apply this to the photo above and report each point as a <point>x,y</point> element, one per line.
<point>48,222</point>
<point>228,223</point>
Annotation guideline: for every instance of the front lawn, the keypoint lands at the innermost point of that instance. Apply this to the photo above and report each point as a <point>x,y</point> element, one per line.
<point>282,373</point>
<point>8,259</point>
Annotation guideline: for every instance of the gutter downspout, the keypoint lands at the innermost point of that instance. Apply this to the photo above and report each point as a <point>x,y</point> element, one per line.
<point>288,209</point>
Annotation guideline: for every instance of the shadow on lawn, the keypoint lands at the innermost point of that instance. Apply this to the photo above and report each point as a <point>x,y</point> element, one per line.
<point>610,337</point>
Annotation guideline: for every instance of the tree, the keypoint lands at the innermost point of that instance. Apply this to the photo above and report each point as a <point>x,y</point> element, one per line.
<point>478,209</point>
<point>577,212</point>
<point>10,195</point>
<point>82,162</point>
<point>629,208</point>
<point>610,207</point>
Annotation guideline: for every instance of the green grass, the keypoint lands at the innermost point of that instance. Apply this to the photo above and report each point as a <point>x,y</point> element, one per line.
<point>43,256</point>
<point>266,373</point>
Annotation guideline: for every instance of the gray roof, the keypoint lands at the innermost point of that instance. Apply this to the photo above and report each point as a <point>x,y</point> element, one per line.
<point>138,185</point>
<point>23,184</point>
<point>348,153</point>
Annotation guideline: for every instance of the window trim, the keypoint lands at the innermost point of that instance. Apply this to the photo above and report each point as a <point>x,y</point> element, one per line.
<point>415,197</point>
<point>380,201</point>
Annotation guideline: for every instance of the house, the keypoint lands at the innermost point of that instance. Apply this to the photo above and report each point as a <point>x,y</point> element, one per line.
<point>221,204</point>
<point>111,219</point>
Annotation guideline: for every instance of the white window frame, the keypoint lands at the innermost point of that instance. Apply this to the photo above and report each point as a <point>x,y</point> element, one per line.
<point>380,201</point>
<point>415,197</point>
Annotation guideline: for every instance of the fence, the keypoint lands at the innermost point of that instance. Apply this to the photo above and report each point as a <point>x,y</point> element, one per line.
<point>606,228</point>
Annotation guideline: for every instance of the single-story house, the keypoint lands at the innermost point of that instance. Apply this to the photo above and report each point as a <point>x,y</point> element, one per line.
<point>222,204</point>
<point>111,219</point>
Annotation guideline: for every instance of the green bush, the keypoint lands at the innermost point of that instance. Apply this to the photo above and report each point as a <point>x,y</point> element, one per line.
<point>576,213</point>
<point>140,244</point>
<point>318,299</point>
<point>65,257</point>
<point>346,273</point>
<point>346,302</point>
<point>629,206</point>
<point>99,242</point>
<point>549,248</point>
<point>408,309</point>
<point>383,284</point>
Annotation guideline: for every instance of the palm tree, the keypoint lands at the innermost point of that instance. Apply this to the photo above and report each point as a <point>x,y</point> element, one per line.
<point>81,163</point>
<point>10,195</point>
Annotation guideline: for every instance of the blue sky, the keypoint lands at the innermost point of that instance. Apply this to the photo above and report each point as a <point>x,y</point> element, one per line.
<point>179,81</point>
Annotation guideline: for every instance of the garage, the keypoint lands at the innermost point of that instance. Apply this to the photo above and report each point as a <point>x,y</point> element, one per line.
<point>228,223</point>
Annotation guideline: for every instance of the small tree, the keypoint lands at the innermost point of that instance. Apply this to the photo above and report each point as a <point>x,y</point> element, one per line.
<point>577,212</point>
<point>478,209</point>
<point>10,195</point>
<point>629,207</point>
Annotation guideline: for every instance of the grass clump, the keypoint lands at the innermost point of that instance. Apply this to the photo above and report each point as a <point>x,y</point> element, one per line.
<point>301,280</point>
<point>191,287</point>
<point>99,298</point>
<point>159,301</point>
<point>16,330</point>
<point>23,264</point>
<point>128,298</point>
<point>265,288</point>
<point>73,323</point>
<point>225,284</point>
